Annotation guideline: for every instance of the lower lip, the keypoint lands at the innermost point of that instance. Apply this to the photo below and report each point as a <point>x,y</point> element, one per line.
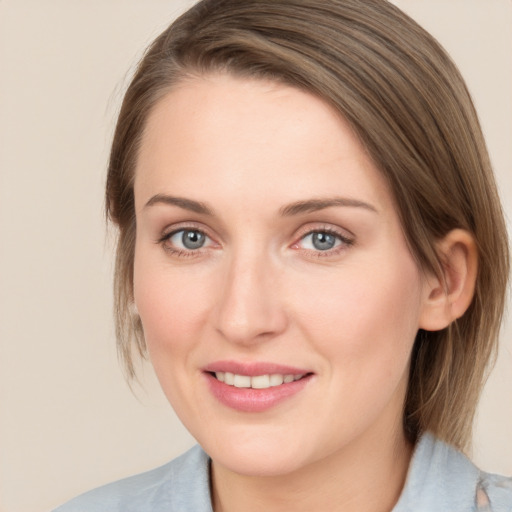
<point>254,400</point>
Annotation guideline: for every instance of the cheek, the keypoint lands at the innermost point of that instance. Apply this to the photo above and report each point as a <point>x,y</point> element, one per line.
<point>364,318</point>
<point>171,304</point>
<point>172,307</point>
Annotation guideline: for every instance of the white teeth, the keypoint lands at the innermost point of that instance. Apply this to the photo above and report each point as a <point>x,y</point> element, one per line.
<point>260,382</point>
<point>242,381</point>
<point>276,379</point>
<point>256,382</point>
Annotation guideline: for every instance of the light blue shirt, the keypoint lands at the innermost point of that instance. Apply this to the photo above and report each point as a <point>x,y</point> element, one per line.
<point>440,479</point>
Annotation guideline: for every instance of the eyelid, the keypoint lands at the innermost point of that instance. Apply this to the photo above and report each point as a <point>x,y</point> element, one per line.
<point>173,229</point>
<point>207,239</point>
<point>346,238</point>
<point>173,232</point>
<point>309,228</point>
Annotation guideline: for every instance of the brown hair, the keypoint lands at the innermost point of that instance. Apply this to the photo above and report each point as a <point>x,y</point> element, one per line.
<point>408,104</point>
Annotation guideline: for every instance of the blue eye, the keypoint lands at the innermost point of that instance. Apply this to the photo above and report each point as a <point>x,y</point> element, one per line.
<point>321,241</point>
<point>188,239</point>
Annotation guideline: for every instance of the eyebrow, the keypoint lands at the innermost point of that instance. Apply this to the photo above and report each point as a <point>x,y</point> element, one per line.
<point>296,208</point>
<point>181,202</point>
<point>313,205</point>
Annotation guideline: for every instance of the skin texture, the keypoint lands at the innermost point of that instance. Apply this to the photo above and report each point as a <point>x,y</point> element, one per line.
<point>259,290</point>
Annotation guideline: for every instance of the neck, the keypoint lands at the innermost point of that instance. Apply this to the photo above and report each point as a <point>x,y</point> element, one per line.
<point>367,476</point>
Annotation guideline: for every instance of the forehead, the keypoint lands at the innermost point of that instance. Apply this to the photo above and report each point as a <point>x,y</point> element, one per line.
<point>251,138</point>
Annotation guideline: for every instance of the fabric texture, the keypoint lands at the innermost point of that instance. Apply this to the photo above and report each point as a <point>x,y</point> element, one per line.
<point>439,479</point>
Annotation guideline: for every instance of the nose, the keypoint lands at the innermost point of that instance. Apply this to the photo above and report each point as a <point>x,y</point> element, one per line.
<point>250,307</point>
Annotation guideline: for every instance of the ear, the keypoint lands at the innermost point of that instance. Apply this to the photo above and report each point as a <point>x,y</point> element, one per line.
<point>448,298</point>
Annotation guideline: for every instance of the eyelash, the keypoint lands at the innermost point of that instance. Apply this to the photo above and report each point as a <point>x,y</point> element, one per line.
<point>190,253</point>
<point>182,253</point>
<point>345,242</point>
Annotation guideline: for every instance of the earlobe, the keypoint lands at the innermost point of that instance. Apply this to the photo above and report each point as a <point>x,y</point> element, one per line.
<point>448,298</point>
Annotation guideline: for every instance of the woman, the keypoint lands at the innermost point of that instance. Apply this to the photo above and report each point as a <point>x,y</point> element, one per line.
<point>313,255</point>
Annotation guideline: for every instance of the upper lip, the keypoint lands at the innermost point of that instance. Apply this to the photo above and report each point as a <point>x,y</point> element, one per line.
<point>253,369</point>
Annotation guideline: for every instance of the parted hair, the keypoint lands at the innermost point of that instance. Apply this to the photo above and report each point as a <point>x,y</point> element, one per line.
<point>407,103</point>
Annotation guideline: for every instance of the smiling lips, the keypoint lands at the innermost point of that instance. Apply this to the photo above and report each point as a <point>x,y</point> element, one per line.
<point>254,387</point>
<point>256,382</point>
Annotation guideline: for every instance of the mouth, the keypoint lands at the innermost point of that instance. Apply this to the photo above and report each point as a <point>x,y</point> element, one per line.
<point>264,381</point>
<point>255,387</point>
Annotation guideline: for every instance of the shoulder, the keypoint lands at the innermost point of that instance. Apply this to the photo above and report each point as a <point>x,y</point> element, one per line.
<point>442,478</point>
<point>180,485</point>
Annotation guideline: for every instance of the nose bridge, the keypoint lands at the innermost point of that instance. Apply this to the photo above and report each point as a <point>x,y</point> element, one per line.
<point>249,307</point>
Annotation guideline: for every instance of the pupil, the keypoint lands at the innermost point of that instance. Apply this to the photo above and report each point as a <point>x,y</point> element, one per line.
<point>323,241</point>
<point>193,239</point>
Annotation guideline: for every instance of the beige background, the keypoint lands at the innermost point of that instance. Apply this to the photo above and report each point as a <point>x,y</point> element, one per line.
<point>68,421</point>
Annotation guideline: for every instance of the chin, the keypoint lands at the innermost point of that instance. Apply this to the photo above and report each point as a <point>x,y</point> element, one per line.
<point>257,454</point>
<point>255,463</point>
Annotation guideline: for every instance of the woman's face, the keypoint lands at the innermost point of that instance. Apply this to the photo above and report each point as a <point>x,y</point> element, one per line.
<point>269,254</point>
